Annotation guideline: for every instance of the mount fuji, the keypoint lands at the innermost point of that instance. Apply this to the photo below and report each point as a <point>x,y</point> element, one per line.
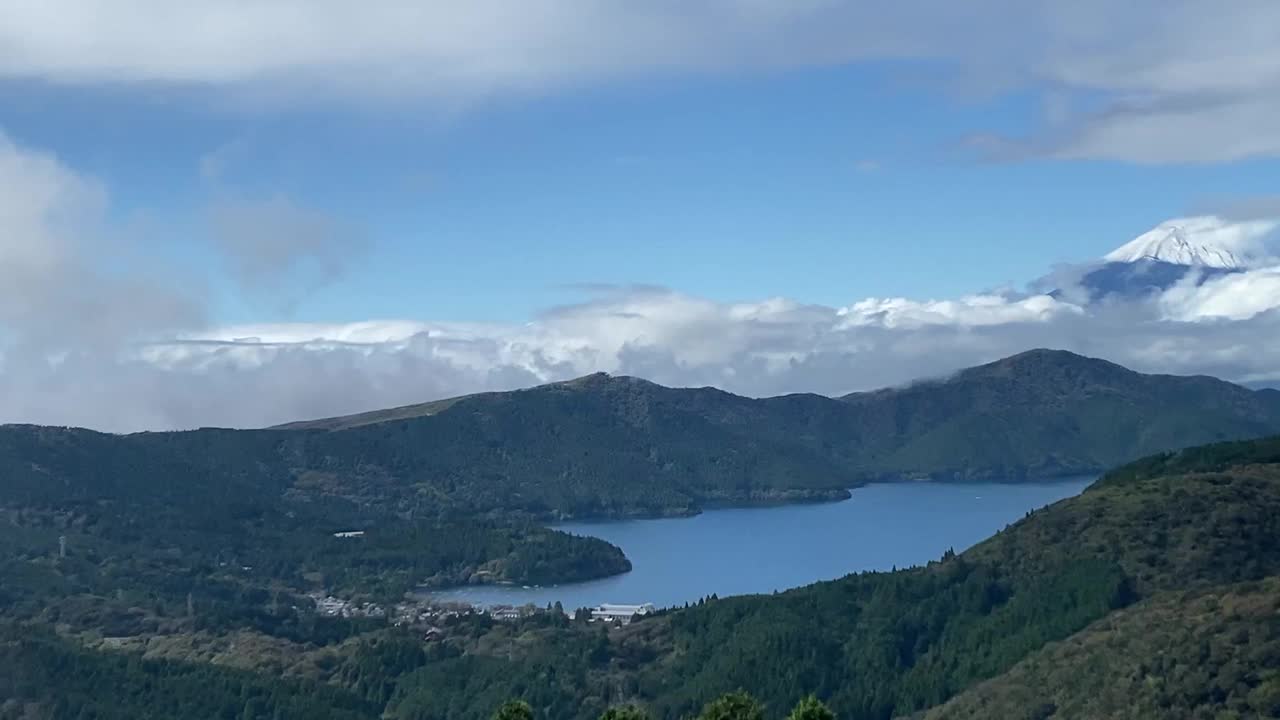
<point>1195,249</point>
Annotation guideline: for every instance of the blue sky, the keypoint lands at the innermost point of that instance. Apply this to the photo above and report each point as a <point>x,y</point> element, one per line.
<point>249,213</point>
<point>826,184</point>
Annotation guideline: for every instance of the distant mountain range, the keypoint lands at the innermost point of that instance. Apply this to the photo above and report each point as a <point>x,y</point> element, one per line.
<point>603,446</point>
<point>618,446</point>
<point>1196,249</point>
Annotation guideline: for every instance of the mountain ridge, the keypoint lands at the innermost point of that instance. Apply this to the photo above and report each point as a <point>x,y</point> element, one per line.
<point>608,447</point>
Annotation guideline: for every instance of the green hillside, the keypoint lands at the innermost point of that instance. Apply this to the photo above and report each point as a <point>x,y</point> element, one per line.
<point>1048,413</point>
<point>43,676</point>
<point>1181,656</point>
<point>201,546</point>
<point>880,645</point>
<point>195,530</point>
<point>618,446</point>
<point>1157,584</point>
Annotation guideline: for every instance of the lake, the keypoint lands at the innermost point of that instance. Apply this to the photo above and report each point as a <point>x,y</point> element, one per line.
<point>759,550</point>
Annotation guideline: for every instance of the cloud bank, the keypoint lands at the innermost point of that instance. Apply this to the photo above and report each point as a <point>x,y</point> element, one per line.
<point>1149,81</point>
<point>95,334</point>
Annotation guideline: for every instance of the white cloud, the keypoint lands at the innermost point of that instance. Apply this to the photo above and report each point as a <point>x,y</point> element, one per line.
<point>64,283</point>
<point>1234,297</point>
<point>95,333</point>
<point>1149,81</point>
<point>971,311</point>
<point>257,375</point>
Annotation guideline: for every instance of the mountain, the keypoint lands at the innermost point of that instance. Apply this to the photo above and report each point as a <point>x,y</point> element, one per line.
<point>1193,249</point>
<point>1206,242</point>
<point>603,446</point>
<point>1037,414</point>
<point>1044,413</point>
<point>177,515</point>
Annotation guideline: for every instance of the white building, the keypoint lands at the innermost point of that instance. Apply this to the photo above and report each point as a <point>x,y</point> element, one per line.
<point>611,612</point>
<point>505,612</point>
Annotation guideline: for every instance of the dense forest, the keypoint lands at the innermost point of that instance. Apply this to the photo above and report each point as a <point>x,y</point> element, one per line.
<point>122,537</point>
<point>882,645</point>
<point>1208,653</point>
<point>1157,584</point>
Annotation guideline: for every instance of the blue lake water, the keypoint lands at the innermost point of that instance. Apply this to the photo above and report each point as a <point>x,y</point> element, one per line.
<point>759,550</point>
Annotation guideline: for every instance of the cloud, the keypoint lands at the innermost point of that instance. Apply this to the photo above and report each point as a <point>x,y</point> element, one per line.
<point>275,246</point>
<point>257,375</point>
<point>1149,81</point>
<point>1179,129</point>
<point>65,283</point>
<point>1244,209</point>
<point>1238,296</point>
<point>97,332</point>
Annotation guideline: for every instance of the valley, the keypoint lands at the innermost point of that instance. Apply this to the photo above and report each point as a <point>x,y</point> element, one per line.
<point>273,569</point>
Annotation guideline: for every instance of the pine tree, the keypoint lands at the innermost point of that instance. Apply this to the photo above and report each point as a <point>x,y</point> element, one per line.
<point>811,708</point>
<point>514,710</point>
<point>734,706</point>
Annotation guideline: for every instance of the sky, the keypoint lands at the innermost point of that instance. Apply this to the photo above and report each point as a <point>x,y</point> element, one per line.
<point>233,213</point>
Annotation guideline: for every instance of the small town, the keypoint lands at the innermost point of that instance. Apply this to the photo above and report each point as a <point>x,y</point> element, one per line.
<point>426,612</point>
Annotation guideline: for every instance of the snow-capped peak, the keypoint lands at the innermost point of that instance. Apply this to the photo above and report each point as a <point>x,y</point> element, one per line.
<point>1206,241</point>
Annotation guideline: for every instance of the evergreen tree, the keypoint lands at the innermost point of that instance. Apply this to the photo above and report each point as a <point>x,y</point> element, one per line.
<point>734,706</point>
<point>514,710</point>
<point>811,708</point>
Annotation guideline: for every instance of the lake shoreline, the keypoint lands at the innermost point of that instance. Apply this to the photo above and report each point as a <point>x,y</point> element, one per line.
<point>760,549</point>
<point>811,496</point>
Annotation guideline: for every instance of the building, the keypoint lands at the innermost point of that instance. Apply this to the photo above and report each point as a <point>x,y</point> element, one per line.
<point>612,612</point>
<point>505,612</point>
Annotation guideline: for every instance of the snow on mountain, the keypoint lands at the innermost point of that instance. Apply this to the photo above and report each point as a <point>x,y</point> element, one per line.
<point>1206,242</point>
<point>1192,250</point>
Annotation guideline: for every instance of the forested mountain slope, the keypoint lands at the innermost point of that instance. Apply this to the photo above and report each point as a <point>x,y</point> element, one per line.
<point>1208,653</point>
<point>1174,539</point>
<point>1049,412</point>
<point>880,645</point>
<point>607,446</point>
<point>617,445</point>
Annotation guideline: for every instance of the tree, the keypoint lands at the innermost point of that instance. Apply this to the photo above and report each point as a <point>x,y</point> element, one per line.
<point>734,706</point>
<point>514,710</point>
<point>625,712</point>
<point>811,708</point>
